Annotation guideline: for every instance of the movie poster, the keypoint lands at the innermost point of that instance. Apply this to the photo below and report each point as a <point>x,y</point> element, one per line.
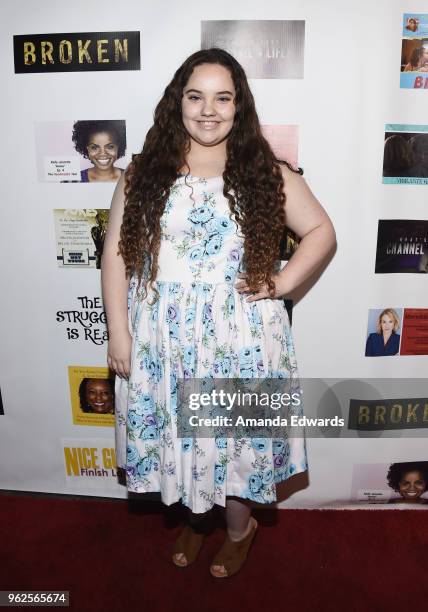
<point>383,332</point>
<point>391,483</point>
<point>76,52</point>
<point>284,141</point>
<point>267,49</point>
<point>414,51</point>
<point>415,332</point>
<point>92,395</point>
<point>405,155</point>
<point>84,320</point>
<point>87,151</point>
<point>91,463</point>
<point>402,246</point>
<point>80,235</point>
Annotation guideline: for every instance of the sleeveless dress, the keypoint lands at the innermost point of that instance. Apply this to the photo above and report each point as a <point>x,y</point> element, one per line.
<point>200,327</point>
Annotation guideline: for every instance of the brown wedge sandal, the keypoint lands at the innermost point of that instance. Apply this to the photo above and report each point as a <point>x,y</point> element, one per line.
<point>232,555</point>
<point>189,544</point>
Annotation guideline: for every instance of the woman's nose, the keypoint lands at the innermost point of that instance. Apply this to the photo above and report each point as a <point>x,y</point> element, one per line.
<point>207,108</point>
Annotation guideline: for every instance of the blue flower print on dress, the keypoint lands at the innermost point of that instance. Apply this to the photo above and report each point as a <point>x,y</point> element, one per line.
<point>132,455</point>
<point>134,422</point>
<point>219,474</point>
<point>186,444</point>
<point>219,225</point>
<point>201,327</point>
<point>200,215</point>
<point>145,466</point>
<point>221,442</point>
<point>190,315</point>
<point>255,483</point>
<point>212,244</point>
<point>260,444</point>
<point>246,365</point>
<point>196,252</point>
<point>149,433</point>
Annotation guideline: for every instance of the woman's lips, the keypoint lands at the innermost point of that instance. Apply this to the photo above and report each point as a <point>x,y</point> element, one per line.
<point>208,125</point>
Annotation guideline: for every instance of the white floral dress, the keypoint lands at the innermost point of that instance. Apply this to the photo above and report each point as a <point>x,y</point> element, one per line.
<point>200,327</point>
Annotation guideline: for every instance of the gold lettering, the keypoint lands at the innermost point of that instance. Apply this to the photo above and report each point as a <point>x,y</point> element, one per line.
<point>363,415</point>
<point>62,45</point>
<point>411,413</point>
<point>47,48</point>
<point>379,415</point>
<point>109,458</point>
<point>101,51</point>
<point>425,417</point>
<point>120,49</point>
<point>83,51</point>
<point>71,461</point>
<point>396,413</point>
<point>29,53</point>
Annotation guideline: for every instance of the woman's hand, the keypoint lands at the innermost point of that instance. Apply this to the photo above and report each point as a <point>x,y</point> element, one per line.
<point>242,287</point>
<point>119,353</point>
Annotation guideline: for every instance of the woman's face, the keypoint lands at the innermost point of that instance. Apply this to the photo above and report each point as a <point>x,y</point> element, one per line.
<point>99,396</point>
<point>412,485</point>
<point>208,107</point>
<point>386,323</point>
<point>102,150</point>
<point>424,57</point>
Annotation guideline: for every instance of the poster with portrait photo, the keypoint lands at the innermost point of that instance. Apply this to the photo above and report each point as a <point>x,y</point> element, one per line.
<point>284,141</point>
<point>415,332</point>
<point>92,395</point>
<point>390,483</point>
<point>414,51</point>
<point>90,462</point>
<point>83,151</point>
<point>267,49</point>
<point>383,332</point>
<point>405,155</point>
<point>80,235</point>
<point>402,246</point>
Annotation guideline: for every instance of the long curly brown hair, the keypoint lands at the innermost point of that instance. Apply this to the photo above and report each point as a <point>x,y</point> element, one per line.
<point>253,182</point>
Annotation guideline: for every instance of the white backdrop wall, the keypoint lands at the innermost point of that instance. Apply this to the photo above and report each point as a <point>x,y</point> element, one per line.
<point>350,90</point>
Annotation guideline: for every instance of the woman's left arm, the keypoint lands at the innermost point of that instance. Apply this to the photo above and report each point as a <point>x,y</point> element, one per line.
<point>307,218</point>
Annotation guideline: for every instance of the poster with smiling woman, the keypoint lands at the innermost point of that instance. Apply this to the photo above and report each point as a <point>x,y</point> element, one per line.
<point>92,395</point>
<point>83,151</point>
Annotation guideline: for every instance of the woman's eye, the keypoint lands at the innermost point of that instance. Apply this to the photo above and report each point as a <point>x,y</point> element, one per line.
<point>224,99</point>
<point>193,97</point>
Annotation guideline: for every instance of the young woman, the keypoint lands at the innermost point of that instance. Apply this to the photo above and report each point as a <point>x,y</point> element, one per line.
<point>192,289</point>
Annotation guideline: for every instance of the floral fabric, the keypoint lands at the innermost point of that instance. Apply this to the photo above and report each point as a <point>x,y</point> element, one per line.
<point>200,327</point>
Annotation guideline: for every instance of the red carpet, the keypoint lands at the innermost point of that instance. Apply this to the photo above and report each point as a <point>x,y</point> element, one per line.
<point>114,555</point>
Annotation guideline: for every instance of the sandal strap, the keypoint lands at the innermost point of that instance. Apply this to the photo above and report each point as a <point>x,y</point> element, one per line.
<point>233,554</point>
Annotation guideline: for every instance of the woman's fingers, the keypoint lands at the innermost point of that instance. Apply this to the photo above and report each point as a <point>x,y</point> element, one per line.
<point>121,367</point>
<point>256,296</point>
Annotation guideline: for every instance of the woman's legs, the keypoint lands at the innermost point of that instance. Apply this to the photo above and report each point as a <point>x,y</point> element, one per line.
<point>239,522</point>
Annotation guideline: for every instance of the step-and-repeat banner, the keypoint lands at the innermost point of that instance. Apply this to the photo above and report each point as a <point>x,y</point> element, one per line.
<point>341,92</point>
